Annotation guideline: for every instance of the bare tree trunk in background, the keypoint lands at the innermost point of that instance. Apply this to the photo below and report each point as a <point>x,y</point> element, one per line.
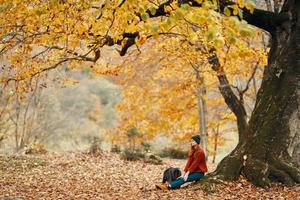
<point>28,121</point>
<point>22,119</point>
<point>16,120</point>
<point>23,140</point>
<point>255,86</point>
<point>202,109</point>
<point>216,137</point>
<point>4,117</point>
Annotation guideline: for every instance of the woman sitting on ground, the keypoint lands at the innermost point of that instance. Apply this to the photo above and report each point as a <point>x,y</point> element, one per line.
<point>194,169</point>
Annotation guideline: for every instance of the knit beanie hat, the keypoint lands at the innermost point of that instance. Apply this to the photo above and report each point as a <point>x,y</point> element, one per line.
<point>196,138</point>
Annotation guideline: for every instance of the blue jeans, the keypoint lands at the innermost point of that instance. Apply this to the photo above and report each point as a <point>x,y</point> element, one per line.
<point>196,176</point>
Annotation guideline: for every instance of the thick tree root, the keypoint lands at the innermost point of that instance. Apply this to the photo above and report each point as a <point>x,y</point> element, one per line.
<point>257,172</point>
<point>281,176</point>
<point>260,173</point>
<point>229,168</point>
<point>207,184</point>
<point>289,169</point>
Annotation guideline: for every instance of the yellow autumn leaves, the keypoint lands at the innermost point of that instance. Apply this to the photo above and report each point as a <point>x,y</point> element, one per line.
<point>159,88</point>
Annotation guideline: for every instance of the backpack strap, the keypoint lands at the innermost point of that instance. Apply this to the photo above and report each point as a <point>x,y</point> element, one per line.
<point>171,174</point>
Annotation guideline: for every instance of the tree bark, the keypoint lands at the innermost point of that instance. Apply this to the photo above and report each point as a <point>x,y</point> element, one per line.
<point>265,151</point>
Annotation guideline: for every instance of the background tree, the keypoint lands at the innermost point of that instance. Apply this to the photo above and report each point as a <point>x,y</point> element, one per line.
<point>164,83</point>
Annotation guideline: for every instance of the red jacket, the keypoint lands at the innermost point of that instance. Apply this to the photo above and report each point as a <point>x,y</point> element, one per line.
<point>196,162</point>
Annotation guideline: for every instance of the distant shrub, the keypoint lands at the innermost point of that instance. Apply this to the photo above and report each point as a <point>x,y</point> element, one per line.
<point>146,146</point>
<point>133,135</point>
<point>95,147</point>
<point>173,153</point>
<point>132,154</point>
<point>35,148</point>
<point>153,159</point>
<point>116,149</point>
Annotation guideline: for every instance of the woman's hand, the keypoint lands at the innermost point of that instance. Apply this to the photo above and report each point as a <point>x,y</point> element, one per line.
<point>182,175</point>
<point>185,176</point>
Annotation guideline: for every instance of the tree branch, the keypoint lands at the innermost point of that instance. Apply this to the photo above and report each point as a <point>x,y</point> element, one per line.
<point>250,79</point>
<point>77,57</point>
<point>265,20</point>
<point>262,19</point>
<point>235,105</point>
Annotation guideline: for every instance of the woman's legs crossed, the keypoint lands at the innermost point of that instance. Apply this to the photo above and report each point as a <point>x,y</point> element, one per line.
<point>196,176</point>
<point>177,183</point>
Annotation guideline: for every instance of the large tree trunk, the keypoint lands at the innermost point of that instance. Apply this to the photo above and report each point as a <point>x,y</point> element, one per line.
<point>270,143</point>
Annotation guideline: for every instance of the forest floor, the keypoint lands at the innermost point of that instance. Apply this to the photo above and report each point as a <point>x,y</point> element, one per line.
<point>106,176</point>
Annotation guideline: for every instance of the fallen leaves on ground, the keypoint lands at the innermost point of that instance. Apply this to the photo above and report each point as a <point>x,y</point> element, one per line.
<point>106,176</point>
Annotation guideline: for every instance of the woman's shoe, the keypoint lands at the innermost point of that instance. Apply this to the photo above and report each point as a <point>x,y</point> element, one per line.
<point>163,186</point>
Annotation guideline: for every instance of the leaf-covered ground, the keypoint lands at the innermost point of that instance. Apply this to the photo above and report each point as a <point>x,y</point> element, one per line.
<point>82,176</point>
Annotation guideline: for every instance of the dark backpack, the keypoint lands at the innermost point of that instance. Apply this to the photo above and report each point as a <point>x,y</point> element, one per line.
<point>171,174</point>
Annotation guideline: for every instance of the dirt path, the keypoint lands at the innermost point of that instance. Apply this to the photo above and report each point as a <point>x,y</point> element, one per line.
<point>80,176</point>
